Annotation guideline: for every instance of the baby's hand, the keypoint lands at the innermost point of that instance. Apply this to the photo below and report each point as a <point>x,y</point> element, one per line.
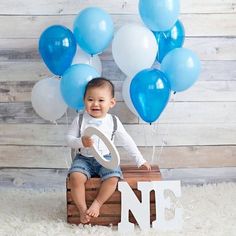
<point>87,141</point>
<point>146,165</point>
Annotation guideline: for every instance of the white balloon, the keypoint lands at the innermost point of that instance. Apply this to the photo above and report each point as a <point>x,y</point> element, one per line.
<point>47,100</point>
<point>82,57</point>
<point>126,95</point>
<point>134,48</point>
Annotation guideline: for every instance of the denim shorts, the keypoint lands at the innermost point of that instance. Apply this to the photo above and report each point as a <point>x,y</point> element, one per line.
<point>91,168</point>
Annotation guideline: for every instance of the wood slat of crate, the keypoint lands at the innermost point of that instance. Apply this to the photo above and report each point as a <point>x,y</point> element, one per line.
<point>110,211</point>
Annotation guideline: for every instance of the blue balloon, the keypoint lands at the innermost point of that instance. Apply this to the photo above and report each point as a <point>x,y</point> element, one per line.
<point>57,47</point>
<point>93,30</point>
<point>169,40</point>
<point>73,83</point>
<point>159,15</point>
<point>149,92</point>
<point>182,68</point>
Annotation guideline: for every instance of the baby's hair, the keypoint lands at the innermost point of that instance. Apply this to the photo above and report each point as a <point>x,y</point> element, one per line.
<point>100,82</point>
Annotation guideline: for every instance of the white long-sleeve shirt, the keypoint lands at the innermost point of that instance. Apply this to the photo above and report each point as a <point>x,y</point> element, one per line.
<point>105,124</point>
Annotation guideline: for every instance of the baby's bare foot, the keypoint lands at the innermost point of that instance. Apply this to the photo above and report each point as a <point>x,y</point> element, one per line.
<point>94,209</point>
<point>84,218</point>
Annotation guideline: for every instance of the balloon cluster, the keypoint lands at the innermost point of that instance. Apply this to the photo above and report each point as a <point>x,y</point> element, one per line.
<point>73,59</point>
<point>136,48</point>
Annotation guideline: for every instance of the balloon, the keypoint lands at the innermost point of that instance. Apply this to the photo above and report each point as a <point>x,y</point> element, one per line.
<point>73,83</point>
<point>150,92</point>
<point>159,15</point>
<point>47,100</point>
<point>182,68</point>
<point>93,30</point>
<point>169,40</point>
<point>134,48</point>
<point>82,57</point>
<point>57,47</point>
<point>126,95</point>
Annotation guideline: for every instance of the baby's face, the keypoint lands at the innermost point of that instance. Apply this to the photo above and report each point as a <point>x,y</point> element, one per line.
<point>98,101</point>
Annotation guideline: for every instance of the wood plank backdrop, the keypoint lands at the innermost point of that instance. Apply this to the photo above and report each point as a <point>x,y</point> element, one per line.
<point>195,135</point>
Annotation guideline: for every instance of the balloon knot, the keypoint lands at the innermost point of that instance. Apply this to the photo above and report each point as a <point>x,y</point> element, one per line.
<point>174,92</point>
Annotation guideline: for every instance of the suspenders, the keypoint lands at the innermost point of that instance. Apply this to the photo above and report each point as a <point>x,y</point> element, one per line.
<point>81,115</point>
<point>114,124</point>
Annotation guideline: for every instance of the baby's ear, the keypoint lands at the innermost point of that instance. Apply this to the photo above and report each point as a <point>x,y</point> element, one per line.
<point>113,102</point>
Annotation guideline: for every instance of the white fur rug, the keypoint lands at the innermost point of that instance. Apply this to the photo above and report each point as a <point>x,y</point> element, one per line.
<point>208,210</point>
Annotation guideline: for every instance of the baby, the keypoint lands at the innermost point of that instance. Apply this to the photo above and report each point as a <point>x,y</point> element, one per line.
<point>98,99</point>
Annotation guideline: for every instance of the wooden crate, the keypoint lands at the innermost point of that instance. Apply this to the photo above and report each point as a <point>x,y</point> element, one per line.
<point>111,210</point>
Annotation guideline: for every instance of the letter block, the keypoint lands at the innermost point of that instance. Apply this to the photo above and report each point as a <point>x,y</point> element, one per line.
<point>141,209</point>
<point>110,212</point>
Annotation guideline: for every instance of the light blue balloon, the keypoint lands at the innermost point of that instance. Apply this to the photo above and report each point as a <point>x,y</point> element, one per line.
<point>159,15</point>
<point>182,68</point>
<point>93,30</point>
<point>169,40</point>
<point>73,83</point>
<point>149,92</point>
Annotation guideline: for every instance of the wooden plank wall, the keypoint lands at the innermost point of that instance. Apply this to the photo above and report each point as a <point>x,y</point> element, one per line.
<point>196,133</point>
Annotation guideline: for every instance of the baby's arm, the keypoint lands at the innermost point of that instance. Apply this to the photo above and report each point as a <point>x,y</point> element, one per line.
<point>72,138</point>
<point>130,146</point>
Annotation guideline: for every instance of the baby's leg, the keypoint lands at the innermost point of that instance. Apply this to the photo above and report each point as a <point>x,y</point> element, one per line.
<point>107,188</point>
<point>78,181</point>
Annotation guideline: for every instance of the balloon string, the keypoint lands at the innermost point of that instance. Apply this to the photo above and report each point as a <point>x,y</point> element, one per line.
<point>145,137</point>
<point>67,125</point>
<point>155,127</point>
<point>54,76</point>
<point>70,157</point>
<point>166,133</point>
<point>67,120</point>
<point>90,60</point>
<point>153,153</point>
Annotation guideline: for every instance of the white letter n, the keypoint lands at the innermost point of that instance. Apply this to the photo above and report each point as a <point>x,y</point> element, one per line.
<point>140,210</point>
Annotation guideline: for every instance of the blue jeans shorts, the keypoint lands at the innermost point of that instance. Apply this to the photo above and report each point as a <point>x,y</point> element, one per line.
<point>91,168</point>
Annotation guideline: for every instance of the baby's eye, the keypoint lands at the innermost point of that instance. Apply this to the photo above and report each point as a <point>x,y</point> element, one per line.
<point>90,99</point>
<point>101,100</point>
